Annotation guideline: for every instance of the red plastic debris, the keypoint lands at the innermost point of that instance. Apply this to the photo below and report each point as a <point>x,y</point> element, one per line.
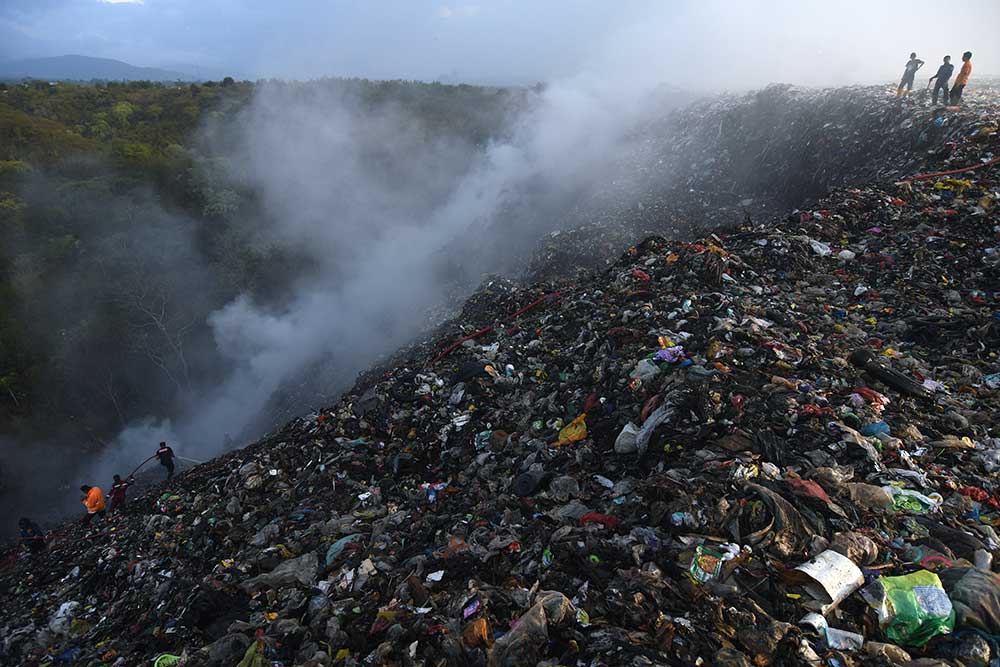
<point>605,520</point>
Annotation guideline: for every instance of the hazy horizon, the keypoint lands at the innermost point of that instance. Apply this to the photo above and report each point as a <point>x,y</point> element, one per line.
<point>701,45</point>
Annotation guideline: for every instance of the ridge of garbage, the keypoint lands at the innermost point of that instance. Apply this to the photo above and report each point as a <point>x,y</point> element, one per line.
<point>776,444</point>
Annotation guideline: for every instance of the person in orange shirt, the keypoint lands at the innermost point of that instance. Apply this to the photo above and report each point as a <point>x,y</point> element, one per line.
<point>962,79</point>
<point>93,500</point>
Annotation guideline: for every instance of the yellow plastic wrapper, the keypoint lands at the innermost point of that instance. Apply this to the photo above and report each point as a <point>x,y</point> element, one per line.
<point>574,431</point>
<point>953,184</point>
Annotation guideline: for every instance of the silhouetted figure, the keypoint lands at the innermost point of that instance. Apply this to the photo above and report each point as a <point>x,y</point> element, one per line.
<point>166,457</point>
<point>942,77</point>
<point>912,65</point>
<point>93,500</point>
<point>117,493</point>
<point>962,80</point>
<point>31,535</point>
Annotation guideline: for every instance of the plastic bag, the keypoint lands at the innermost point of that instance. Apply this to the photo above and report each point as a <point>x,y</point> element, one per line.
<point>338,547</point>
<point>524,643</point>
<point>975,594</point>
<point>706,564</point>
<point>912,608</point>
<point>829,578</point>
<point>574,431</point>
<point>657,417</point>
<point>820,248</point>
<point>254,657</point>
<point>61,621</point>
<point>909,500</point>
<point>625,442</point>
<point>300,570</point>
<point>645,369</point>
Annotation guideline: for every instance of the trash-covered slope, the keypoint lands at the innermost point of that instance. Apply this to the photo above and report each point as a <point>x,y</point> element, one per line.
<point>680,173</point>
<point>619,469</point>
<point>723,159</point>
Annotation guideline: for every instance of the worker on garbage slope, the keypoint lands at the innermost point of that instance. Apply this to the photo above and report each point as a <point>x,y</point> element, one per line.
<point>31,535</point>
<point>943,76</point>
<point>912,65</point>
<point>117,492</point>
<point>93,500</point>
<point>166,457</point>
<point>962,80</point>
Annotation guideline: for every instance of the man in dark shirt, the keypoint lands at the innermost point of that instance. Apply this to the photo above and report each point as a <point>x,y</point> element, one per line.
<point>117,492</point>
<point>166,457</point>
<point>31,535</point>
<point>942,77</point>
<point>906,84</point>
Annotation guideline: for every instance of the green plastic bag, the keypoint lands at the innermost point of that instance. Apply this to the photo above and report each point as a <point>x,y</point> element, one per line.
<point>912,608</point>
<point>908,500</point>
<point>254,657</point>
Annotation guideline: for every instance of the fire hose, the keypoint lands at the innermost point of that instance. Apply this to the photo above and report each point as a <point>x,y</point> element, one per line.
<point>924,177</point>
<point>132,474</point>
<point>531,306</point>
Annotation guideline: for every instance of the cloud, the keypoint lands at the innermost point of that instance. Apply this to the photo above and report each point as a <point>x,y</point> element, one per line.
<point>122,2</point>
<point>446,12</point>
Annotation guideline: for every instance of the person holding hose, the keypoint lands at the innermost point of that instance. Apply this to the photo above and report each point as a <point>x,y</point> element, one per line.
<point>117,492</point>
<point>93,500</point>
<point>166,457</point>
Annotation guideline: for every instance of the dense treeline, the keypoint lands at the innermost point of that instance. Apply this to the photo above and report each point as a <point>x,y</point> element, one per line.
<point>124,228</point>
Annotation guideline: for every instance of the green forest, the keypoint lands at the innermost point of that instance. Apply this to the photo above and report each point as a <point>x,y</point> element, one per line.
<point>124,228</point>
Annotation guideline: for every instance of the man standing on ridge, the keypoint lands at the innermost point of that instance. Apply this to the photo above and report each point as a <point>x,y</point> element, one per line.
<point>166,457</point>
<point>912,65</point>
<point>962,79</point>
<point>943,76</point>
<point>117,493</point>
<point>93,500</point>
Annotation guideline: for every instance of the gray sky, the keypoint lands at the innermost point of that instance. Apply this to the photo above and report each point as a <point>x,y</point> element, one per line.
<point>711,42</point>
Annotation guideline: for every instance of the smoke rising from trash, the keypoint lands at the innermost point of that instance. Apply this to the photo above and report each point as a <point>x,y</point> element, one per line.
<point>374,228</point>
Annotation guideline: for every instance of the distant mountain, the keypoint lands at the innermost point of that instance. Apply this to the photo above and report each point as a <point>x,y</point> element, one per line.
<point>205,72</point>
<point>85,68</point>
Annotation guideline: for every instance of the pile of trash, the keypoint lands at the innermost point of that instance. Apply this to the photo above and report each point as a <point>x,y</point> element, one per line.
<point>725,158</point>
<point>773,445</point>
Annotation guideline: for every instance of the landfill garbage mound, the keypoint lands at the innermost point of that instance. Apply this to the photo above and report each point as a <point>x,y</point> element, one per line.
<point>776,444</point>
<point>684,172</point>
<point>720,159</point>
